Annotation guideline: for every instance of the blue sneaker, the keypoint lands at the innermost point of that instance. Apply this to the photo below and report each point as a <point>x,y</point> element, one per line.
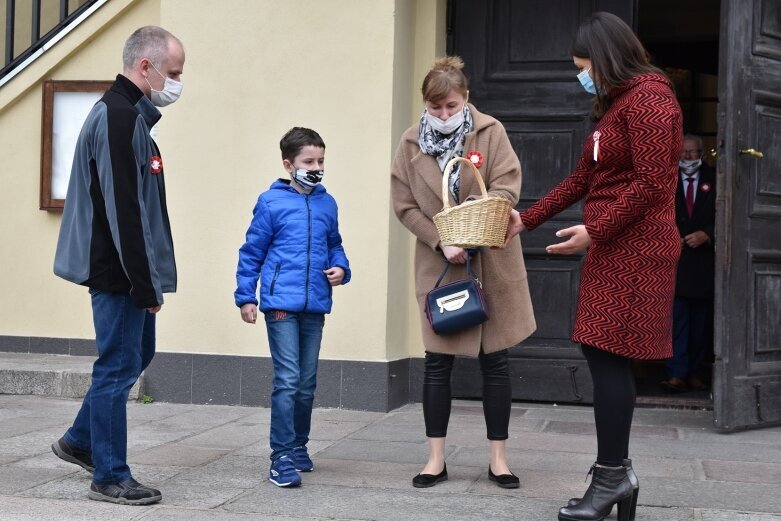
<point>301,460</point>
<point>283,473</point>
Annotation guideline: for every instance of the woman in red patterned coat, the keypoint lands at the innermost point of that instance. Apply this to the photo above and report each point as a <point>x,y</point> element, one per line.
<point>627,173</point>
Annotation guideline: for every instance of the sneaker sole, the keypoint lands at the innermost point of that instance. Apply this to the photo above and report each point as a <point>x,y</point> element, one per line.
<point>97,496</point>
<point>292,484</point>
<point>70,459</point>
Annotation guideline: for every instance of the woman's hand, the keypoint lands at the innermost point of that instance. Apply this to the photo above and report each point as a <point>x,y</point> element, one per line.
<point>514,226</point>
<point>454,254</point>
<point>578,242</point>
<point>249,313</point>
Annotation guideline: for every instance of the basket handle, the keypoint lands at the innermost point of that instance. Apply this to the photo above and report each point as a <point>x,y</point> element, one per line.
<point>446,176</point>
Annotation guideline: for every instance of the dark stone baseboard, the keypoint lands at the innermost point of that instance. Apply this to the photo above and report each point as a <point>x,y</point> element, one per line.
<point>247,380</point>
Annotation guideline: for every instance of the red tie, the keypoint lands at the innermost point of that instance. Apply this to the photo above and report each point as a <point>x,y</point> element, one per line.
<point>690,194</point>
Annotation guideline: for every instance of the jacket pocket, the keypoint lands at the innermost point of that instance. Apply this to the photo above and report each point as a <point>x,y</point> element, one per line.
<point>276,276</point>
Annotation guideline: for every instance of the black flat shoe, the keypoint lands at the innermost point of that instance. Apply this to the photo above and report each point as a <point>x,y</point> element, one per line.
<point>504,480</point>
<point>429,480</point>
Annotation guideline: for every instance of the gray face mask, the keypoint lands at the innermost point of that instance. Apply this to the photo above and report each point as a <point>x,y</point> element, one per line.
<point>689,166</point>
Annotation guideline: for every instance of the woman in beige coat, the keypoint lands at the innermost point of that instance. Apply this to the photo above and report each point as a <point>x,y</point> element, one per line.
<point>451,127</point>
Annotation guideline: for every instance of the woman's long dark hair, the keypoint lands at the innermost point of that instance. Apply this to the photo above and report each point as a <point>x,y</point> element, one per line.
<point>616,56</point>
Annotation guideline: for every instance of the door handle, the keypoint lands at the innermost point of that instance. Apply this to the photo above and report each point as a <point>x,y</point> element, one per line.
<point>753,152</point>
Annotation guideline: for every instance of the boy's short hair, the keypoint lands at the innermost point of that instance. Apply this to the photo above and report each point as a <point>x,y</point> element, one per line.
<point>297,138</point>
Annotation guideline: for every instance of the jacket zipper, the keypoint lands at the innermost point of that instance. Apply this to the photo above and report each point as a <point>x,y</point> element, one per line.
<point>274,280</point>
<point>308,249</point>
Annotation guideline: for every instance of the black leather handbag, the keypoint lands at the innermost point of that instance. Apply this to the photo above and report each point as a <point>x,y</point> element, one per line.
<point>456,306</point>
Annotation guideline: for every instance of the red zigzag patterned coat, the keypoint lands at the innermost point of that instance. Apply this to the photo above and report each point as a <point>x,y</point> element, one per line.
<point>628,279</point>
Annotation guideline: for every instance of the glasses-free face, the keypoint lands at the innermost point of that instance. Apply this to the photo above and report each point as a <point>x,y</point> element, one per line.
<point>445,107</point>
<point>310,157</point>
<point>691,150</point>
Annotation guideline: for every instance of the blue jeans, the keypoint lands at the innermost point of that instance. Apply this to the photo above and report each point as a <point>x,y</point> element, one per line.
<point>294,340</point>
<point>125,336</point>
<point>690,316</point>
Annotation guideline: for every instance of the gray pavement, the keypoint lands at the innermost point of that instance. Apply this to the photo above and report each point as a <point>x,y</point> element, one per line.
<point>211,464</point>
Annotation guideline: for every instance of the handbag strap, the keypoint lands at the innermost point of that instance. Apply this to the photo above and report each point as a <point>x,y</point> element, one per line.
<point>468,270</point>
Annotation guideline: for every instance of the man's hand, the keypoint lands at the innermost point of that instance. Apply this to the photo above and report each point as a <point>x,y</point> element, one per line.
<point>578,242</point>
<point>454,254</point>
<point>514,226</point>
<point>696,239</point>
<point>334,275</point>
<point>154,309</point>
<point>249,313</point>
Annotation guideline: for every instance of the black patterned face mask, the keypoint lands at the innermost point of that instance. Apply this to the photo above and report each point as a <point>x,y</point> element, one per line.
<point>308,178</point>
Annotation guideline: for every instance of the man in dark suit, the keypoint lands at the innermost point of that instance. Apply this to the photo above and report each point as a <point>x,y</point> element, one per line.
<point>695,214</point>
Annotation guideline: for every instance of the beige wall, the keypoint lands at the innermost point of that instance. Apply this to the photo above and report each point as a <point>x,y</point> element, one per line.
<point>350,69</point>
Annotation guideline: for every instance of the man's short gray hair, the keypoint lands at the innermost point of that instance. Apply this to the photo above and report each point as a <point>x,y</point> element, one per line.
<point>147,42</point>
<point>696,139</point>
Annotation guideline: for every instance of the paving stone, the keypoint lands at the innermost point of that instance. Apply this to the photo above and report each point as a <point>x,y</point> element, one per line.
<point>166,513</point>
<point>229,436</point>
<point>722,495</point>
<point>362,450</point>
<point>25,509</point>
<point>712,515</point>
<point>16,479</point>
<point>641,431</point>
<point>754,472</point>
<point>177,455</point>
<point>386,504</point>
<point>385,475</point>
<point>768,435</point>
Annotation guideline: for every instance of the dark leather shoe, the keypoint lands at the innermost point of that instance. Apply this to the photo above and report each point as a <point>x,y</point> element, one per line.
<point>504,480</point>
<point>82,458</point>
<point>697,384</point>
<point>128,492</point>
<point>429,480</point>
<point>675,385</point>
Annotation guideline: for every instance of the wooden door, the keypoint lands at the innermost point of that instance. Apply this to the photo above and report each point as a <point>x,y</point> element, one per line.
<point>517,56</point>
<point>747,368</point>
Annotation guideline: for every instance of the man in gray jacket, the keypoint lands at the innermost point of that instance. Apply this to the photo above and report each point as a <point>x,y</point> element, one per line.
<point>115,239</point>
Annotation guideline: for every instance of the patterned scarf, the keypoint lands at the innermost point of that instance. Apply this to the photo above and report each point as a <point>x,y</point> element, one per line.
<point>446,146</point>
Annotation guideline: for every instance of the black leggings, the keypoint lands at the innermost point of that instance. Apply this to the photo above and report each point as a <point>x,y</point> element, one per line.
<point>614,403</point>
<point>497,393</point>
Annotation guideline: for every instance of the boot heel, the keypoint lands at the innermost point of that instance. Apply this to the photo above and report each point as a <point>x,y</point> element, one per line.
<point>635,493</point>
<point>624,508</point>
<point>634,503</point>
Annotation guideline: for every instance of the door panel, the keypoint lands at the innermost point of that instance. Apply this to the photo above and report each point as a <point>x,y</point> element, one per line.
<point>747,370</point>
<point>517,58</point>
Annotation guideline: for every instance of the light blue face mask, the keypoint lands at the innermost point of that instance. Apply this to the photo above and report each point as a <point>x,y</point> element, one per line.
<point>586,81</point>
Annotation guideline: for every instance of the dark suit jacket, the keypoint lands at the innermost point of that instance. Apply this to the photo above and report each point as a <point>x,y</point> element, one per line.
<point>696,266</point>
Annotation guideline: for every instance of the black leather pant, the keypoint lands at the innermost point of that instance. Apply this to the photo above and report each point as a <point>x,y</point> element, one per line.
<point>497,393</point>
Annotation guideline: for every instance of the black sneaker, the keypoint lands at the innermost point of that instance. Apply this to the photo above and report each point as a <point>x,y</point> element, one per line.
<point>82,458</point>
<point>128,492</point>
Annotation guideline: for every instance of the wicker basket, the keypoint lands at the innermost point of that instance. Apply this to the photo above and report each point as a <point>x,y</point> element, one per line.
<point>480,222</point>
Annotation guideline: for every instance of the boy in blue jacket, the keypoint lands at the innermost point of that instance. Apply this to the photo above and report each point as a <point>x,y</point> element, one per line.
<point>293,245</point>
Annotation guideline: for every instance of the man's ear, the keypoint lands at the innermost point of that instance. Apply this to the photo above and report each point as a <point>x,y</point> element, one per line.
<point>288,166</point>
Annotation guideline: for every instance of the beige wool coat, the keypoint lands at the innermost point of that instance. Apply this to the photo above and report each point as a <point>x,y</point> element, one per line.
<point>416,190</point>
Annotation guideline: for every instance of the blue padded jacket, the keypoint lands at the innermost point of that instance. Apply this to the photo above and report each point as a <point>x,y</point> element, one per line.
<point>292,238</point>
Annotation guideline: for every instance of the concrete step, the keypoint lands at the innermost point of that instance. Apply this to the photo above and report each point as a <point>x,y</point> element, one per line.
<point>50,375</point>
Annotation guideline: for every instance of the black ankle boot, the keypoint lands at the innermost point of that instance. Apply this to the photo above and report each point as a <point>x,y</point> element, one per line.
<point>630,472</point>
<point>609,486</point>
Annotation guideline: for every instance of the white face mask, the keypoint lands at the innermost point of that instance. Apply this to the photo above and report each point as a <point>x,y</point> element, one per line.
<point>689,166</point>
<point>448,126</point>
<point>170,93</point>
